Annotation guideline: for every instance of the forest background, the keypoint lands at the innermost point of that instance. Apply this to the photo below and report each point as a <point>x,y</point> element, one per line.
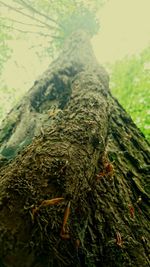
<point>121,43</point>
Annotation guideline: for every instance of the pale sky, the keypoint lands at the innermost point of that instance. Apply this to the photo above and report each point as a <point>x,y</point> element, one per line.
<point>125,30</point>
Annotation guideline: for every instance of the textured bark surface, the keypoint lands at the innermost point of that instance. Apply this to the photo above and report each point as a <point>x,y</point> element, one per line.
<point>84,148</point>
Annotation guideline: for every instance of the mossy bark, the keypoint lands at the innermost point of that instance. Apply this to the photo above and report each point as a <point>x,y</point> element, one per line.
<point>86,150</point>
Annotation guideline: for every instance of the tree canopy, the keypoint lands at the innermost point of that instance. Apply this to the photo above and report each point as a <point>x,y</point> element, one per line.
<point>54,21</point>
<point>74,166</point>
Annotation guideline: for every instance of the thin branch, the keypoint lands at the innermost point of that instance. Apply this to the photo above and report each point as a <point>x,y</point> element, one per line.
<point>29,16</point>
<point>31,8</point>
<point>23,23</point>
<point>23,31</point>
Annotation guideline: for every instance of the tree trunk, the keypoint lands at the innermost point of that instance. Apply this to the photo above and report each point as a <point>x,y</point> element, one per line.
<point>78,194</point>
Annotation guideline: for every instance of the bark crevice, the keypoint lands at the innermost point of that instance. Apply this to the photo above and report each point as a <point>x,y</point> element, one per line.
<point>82,150</point>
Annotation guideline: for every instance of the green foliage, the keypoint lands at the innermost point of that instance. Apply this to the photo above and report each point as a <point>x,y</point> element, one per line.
<point>131,85</point>
<point>69,16</point>
<point>83,19</point>
<point>55,19</point>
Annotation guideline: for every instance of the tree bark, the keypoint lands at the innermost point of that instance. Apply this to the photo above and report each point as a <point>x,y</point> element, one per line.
<point>75,190</point>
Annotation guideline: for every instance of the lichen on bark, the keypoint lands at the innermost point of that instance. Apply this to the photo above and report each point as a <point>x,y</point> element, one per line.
<point>86,150</point>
